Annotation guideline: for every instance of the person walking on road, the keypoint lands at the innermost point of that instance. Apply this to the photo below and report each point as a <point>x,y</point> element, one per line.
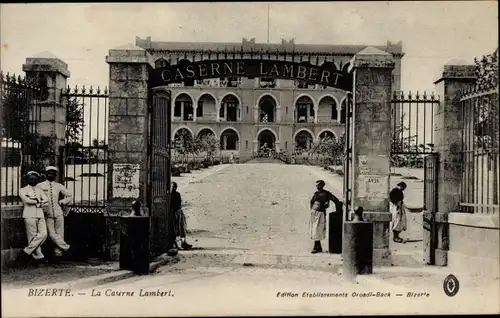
<point>318,205</point>
<point>180,226</point>
<point>54,214</point>
<point>36,230</point>
<point>398,211</point>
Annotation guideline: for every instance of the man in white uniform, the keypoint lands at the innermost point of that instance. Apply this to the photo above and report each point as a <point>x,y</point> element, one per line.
<point>54,215</point>
<point>36,230</point>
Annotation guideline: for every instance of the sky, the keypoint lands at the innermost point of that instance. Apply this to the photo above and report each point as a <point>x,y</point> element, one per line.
<point>81,34</point>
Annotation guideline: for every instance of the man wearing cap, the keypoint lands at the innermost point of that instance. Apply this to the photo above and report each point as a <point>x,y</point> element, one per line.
<point>54,215</point>
<point>36,230</point>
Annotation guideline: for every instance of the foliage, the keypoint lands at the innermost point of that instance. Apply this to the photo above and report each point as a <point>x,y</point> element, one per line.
<point>18,101</point>
<point>74,119</point>
<point>21,114</point>
<point>487,70</point>
<point>487,77</point>
<point>209,144</point>
<point>186,145</point>
<point>329,147</point>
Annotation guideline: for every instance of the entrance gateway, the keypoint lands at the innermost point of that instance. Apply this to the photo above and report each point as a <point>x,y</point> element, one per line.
<point>328,74</point>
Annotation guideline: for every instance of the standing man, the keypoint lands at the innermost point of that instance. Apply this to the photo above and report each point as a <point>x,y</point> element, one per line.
<point>180,226</point>
<point>231,158</point>
<point>36,230</point>
<point>318,205</point>
<point>398,211</point>
<point>53,212</point>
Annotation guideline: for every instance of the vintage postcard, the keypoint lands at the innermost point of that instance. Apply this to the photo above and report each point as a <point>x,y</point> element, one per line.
<point>249,158</point>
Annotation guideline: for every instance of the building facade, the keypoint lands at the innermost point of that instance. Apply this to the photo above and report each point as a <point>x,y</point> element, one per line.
<point>246,113</point>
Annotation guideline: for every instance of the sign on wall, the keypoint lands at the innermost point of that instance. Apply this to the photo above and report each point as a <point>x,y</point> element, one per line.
<point>327,74</point>
<point>126,180</point>
<point>373,187</point>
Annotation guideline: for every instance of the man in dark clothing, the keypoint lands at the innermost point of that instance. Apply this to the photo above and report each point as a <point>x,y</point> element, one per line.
<point>398,211</point>
<point>180,226</point>
<point>318,205</point>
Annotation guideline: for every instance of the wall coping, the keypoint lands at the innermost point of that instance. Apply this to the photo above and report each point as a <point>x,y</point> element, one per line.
<point>372,58</point>
<point>458,72</point>
<point>370,216</point>
<point>12,211</point>
<point>45,64</point>
<point>474,220</point>
<point>129,54</point>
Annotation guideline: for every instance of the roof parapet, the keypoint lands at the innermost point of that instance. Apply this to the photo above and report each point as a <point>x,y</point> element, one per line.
<point>144,43</point>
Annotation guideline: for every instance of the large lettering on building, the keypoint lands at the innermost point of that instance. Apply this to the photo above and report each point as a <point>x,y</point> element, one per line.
<point>327,74</point>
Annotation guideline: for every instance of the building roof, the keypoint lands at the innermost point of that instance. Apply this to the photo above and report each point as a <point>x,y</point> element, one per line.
<point>249,45</point>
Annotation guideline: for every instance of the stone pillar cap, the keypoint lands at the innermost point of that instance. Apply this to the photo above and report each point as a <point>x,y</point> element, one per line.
<point>129,53</point>
<point>458,69</point>
<point>372,57</point>
<point>46,62</point>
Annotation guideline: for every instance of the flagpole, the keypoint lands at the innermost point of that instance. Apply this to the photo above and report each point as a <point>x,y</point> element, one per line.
<point>268,9</point>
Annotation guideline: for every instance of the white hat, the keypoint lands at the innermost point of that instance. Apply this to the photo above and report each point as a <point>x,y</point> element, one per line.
<point>49,168</point>
<point>32,172</point>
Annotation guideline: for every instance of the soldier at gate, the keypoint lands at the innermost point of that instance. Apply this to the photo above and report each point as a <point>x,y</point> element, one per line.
<point>36,230</point>
<point>54,215</point>
<point>318,205</point>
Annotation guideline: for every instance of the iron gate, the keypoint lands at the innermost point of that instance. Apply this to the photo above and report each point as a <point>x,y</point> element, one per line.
<point>413,135</point>
<point>84,167</point>
<point>159,153</point>
<point>348,153</point>
<point>431,169</point>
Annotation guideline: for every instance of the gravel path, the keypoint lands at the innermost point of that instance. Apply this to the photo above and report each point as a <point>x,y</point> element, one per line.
<point>259,207</point>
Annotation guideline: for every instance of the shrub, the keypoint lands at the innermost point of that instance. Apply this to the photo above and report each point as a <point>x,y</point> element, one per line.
<point>339,172</point>
<point>176,172</point>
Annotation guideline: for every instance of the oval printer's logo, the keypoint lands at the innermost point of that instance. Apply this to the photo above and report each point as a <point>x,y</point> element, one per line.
<point>451,285</point>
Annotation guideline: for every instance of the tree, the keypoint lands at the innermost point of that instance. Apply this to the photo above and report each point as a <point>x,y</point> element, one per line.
<point>74,119</point>
<point>20,113</point>
<point>183,143</point>
<point>487,109</point>
<point>210,144</point>
<point>331,148</point>
<point>486,130</point>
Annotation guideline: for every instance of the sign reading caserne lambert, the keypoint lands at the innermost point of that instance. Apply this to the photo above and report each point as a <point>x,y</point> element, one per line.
<point>327,74</point>
<point>126,180</point>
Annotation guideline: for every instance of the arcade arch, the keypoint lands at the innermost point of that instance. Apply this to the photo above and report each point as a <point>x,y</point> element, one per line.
<point>229,139</point>
<point>183,132</point>
<point>327,133</point>
<point>183,107</point>
<point>328,109</point>
<point>206,106</point>
<point>230,108</point>
<point>267,108</point>
<point>267,138</point>
<point>303,139</point>
<point>304,109</point>
<point>204,132</point>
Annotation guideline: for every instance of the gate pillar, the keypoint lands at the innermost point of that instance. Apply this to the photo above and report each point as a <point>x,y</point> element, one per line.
<point>456,76</point>
<point>371,144</point>
<point>128,122</point>
<point>50,113</point>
